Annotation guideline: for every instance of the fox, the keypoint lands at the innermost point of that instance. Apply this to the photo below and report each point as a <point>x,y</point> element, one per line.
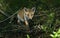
<point>25,14</point>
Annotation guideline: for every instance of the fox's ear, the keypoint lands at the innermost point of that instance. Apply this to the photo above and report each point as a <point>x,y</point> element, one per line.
<point>33,9</point>
<point>25,9</point>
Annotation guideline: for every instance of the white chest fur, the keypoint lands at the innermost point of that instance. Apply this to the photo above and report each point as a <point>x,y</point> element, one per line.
<point>21,19</point>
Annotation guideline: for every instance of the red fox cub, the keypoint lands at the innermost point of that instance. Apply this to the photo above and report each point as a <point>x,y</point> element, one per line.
<point>25,14</point>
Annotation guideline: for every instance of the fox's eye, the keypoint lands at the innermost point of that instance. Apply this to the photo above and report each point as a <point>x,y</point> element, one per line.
<point>27,14</point>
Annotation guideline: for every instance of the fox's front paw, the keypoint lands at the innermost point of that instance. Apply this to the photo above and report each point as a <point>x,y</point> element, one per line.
<point>18,22</point>
<point>26,23</point>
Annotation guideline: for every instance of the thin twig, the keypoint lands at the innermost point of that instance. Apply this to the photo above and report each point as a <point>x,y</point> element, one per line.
<point>9,17</point>
<point>4,13</point>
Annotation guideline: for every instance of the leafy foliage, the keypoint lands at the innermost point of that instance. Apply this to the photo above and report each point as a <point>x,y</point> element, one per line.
<point>47,15</point>
<point>56,34</point>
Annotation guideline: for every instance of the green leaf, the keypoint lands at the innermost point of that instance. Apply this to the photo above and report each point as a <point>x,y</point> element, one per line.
<point>28,36</point>
<point>51,35</point>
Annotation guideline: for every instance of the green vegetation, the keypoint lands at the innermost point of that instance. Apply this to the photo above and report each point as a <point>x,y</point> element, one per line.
<point>28,36</point>
<point>56,34</point>
<point>47,15</point>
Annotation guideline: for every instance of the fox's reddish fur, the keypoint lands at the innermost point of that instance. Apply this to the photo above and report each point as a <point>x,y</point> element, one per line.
<point>29,13</point>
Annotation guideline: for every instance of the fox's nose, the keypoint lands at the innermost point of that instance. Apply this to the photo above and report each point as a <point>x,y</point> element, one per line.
<point>30,17</point>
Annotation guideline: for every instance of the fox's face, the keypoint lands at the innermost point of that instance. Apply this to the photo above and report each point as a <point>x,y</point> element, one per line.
<point>29,13</point>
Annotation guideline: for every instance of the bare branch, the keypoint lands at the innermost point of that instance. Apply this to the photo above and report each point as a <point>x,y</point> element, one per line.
<point>4,13</point>
<point>9,17</point>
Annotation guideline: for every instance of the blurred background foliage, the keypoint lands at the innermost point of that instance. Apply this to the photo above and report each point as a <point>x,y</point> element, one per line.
<point>47,15</point>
